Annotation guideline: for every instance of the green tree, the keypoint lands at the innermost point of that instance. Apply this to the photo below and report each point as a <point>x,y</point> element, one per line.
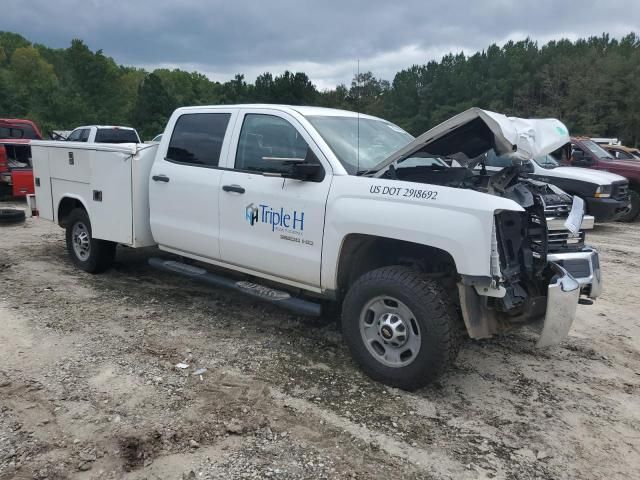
<point>153,107</point>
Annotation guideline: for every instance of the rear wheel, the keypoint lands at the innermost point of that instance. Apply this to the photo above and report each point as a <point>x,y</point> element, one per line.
<point>400,327</point>
<point>633,210</point>
<point>87,253</point>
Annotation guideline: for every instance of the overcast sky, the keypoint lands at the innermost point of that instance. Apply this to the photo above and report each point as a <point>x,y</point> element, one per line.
<point>323,38</point>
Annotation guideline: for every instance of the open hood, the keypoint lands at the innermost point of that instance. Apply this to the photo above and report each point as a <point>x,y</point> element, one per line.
<point>476,131</point>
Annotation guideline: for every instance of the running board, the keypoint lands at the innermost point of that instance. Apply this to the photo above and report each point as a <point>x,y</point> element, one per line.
<point>267,294</point>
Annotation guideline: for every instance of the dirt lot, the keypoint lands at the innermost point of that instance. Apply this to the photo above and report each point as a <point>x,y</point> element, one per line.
<point>89,386</point>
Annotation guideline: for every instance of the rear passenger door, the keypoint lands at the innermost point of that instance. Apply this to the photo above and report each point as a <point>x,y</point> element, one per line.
<point>185,182</point>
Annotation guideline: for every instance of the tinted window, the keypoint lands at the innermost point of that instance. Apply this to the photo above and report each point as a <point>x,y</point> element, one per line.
<point>197,138</point>
<point>75,136</point>
<point>10,132</point>
<point>18,130</point>
<point>84,134</point>
<point>267,142</point>
<point>116,135</point>
<point>622,155</point>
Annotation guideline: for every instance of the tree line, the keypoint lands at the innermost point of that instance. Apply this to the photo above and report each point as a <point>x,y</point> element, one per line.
<point>591,84</point>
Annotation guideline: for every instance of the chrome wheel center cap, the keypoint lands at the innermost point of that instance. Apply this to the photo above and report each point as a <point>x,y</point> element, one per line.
<point>392,329</point>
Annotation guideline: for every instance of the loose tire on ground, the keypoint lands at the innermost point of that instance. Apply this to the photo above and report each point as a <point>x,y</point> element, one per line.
<point>431,318</point>
<point>10,216</point>
<point>87,253</point>
<point>634,208</point>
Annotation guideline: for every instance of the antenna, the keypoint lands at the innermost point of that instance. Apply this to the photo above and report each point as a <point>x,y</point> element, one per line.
<point>358,112</point>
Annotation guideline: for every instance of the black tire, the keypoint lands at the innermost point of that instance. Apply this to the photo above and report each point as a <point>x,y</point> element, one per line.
<point>100,254</point>
<point>634,208</point>
<point>9,216</point>
<point>437,318</point>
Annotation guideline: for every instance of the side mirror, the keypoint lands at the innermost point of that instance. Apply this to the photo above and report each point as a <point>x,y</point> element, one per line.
<point>309,170</point>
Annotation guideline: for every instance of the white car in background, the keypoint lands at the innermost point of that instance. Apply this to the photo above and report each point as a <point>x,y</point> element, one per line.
<point>104,134</point>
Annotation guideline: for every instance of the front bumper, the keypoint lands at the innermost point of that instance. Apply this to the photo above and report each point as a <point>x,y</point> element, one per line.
<point>562,300</point>
<point>605,209</point>
<point>584,267</point>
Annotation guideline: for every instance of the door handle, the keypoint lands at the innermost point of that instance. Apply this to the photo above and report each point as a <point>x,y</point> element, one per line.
<point>233,188</point>
<point>160,178</point>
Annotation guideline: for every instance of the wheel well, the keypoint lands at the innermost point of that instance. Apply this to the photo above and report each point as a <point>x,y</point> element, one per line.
<point>67,205</point>
<point>363,253</point>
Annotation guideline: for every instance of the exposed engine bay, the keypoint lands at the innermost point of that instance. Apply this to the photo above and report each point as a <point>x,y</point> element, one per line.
<point>522,239</point>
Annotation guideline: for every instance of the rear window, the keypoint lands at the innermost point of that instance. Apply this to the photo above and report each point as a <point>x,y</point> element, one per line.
<point>18,131</point>
<point>116,135</point>
<point>197,138</point>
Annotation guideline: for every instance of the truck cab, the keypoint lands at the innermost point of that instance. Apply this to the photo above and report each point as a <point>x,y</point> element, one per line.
<point>588,154</point>
<point>104,134</point>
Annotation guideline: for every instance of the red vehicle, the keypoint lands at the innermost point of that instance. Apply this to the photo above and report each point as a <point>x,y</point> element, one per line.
<point>16,173</point>
<point>586,153</point>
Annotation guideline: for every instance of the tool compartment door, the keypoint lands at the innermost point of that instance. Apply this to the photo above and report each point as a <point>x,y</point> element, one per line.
<point>110,201</point>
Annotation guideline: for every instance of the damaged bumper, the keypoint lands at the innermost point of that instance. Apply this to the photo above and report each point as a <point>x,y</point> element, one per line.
<point>584,267</point>
<point>562,300</point>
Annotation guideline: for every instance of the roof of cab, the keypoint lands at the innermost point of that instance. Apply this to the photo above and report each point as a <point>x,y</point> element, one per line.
<point>105,126</point>
<point>302,110</point>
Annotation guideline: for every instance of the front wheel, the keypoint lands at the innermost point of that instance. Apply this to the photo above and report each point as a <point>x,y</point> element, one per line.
<point>89,254</point>
<point>400,327</point>
<point>633,210</point>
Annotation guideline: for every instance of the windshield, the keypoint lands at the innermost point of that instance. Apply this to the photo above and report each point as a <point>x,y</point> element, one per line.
<point>547,161</point>
<point>596,149</point>
<point>377,140</point>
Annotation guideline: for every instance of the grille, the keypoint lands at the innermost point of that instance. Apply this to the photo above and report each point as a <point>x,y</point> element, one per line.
<point>564,241</point>
<point>620,191</point>
<point>559,210</point>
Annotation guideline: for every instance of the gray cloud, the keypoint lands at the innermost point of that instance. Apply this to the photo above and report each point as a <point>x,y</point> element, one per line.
<point>322,38</point>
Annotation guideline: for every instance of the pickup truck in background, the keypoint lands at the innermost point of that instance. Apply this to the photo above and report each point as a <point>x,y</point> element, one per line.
<point>588,154</point>
<point>620,152</point>
<point>104,134</point>
<point>605,194</point>
<point>306,207</point>
<point>16,177</point>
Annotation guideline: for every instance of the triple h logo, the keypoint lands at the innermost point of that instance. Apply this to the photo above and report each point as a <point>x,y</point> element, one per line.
<point>251,214</point>
<point>280,219</point>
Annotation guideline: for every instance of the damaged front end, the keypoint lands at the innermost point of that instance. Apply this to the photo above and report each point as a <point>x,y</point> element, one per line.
<point>526,287</point>
<point>539,264</point>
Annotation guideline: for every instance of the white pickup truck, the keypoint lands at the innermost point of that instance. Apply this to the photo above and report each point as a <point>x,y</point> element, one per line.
<point>308,206</point>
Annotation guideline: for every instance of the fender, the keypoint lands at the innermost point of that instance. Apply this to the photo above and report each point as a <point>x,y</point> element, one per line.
<point>73,196</point>
<point>458,221</point>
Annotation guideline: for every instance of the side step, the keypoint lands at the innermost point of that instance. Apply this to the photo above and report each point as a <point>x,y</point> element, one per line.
<point>277,297</point>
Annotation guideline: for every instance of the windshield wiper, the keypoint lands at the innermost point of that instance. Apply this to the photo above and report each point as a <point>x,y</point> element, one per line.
<point>365,172</point>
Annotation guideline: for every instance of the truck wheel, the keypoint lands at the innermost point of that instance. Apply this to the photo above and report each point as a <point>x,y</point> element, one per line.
<point>633,210</point>
<point>11,216</point>
<point>89,254</point>
<point>400,327</point>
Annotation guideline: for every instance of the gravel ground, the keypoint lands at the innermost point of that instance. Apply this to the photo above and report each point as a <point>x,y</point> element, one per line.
<point>89,387</point>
